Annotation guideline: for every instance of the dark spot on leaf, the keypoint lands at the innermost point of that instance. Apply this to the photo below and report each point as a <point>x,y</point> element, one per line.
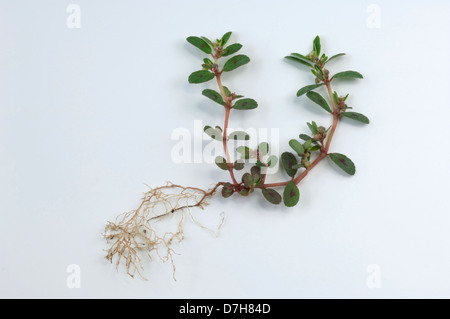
<point>343,161</point>
<point>292,193</point>
<point>244,104</point>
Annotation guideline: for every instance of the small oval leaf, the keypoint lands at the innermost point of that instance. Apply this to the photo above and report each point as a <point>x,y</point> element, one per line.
<point>308,88</point>
<point>239,135</point>
<point>291,194</point>
<point>238,165</point>
<point>288,160</point>
<point>295,59</point>
<point>245,104</point>
<point>214,133</point>
<point>356,116</point>
<point>344,163</point>
<point>235,62</point>
<point>319,100</point>
<point>231,49</point>
<point>297,146</point>
<point>221,162</point>
<point>348,75</point>
<point>213,95</point>
<point>200,77</point>
<point>200,44</point>
<point>271,195</point>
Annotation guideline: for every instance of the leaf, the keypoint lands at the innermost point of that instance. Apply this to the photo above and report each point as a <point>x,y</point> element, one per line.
<point>291,194</point>
<point>307,145</point>
<point>335,56</point>
<point>221,162</point>
<point>348,75</point>
<point>238,165</point>
<point>239,135</point>
<point>318,99</point>
<point>245,104</point>
<point>288,160</point>
<point>271,195</point>
<point>308,88</point>
<point>316,46</point>
<point>344,163</point>
<point>247,180</point>
<point>200,77</point>
<point>301,56</point>
<point>227,190</point>
<point>356,116</point>
<point>213,95</point>
<point>295,59</point>
<point>297,146</point>
<point>315,148</point>
<point>255,171</point>
<point>235,62</point>
<point>225,38</point>
<point>272,161</point>
<point>244,151</point>
<point>208,41</point>
<point>263,148</point>
<point>214,133</point>
<point>260,164</point>
<point>313,127</point>
<point>200,44</point>
<point>227,91</point>
<point>231,49</point>
<point>305,137</point>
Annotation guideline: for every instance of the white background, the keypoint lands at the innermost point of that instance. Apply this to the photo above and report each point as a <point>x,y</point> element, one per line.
<point>86,117</point>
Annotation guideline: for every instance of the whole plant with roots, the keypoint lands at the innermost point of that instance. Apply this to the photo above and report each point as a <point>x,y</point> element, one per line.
<point>151,230</point>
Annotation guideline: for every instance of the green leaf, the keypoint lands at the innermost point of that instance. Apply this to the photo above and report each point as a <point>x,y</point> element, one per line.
<point>307,145</point>
<point>301,56</point>
<point>348,75</point>
<point>318,99</point>
<point>316,46</point>
<point>335,56</point>
<point>225,38</point>
<point>235,62</point>
<point>260,164</point>
<point>200,44</point>
<point>208,41</point>
<point>221,162</point>
<point>213,95</point>
<point>247,180</point>
<point>227,190</point>
<point>214,133</point>
<point>295,59</point>
<point>200,77</point>
<point>271,195</point>
<point>239,135</point>
<point>344,163</point>
<point>305,137</point>
<point>244,151</point>
<point>356,116</point>
<point>272,161</point>
<point>255,171</point>
<point>263,148</point>
<point>313,127</point>
<point>231,49</point>
<point>315,148</point>
<point>238,165</point>
<point>297,146</point>
<point>245,104</point>
<point>308,88</point>
<point>288,160</point>
<point>227,91</point>
<point>291,194</point>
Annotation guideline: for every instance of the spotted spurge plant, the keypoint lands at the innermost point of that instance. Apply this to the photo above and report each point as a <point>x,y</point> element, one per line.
<point>135,234</point>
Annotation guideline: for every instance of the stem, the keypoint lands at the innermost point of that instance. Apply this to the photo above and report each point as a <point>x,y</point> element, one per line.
<point>225,128</point>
